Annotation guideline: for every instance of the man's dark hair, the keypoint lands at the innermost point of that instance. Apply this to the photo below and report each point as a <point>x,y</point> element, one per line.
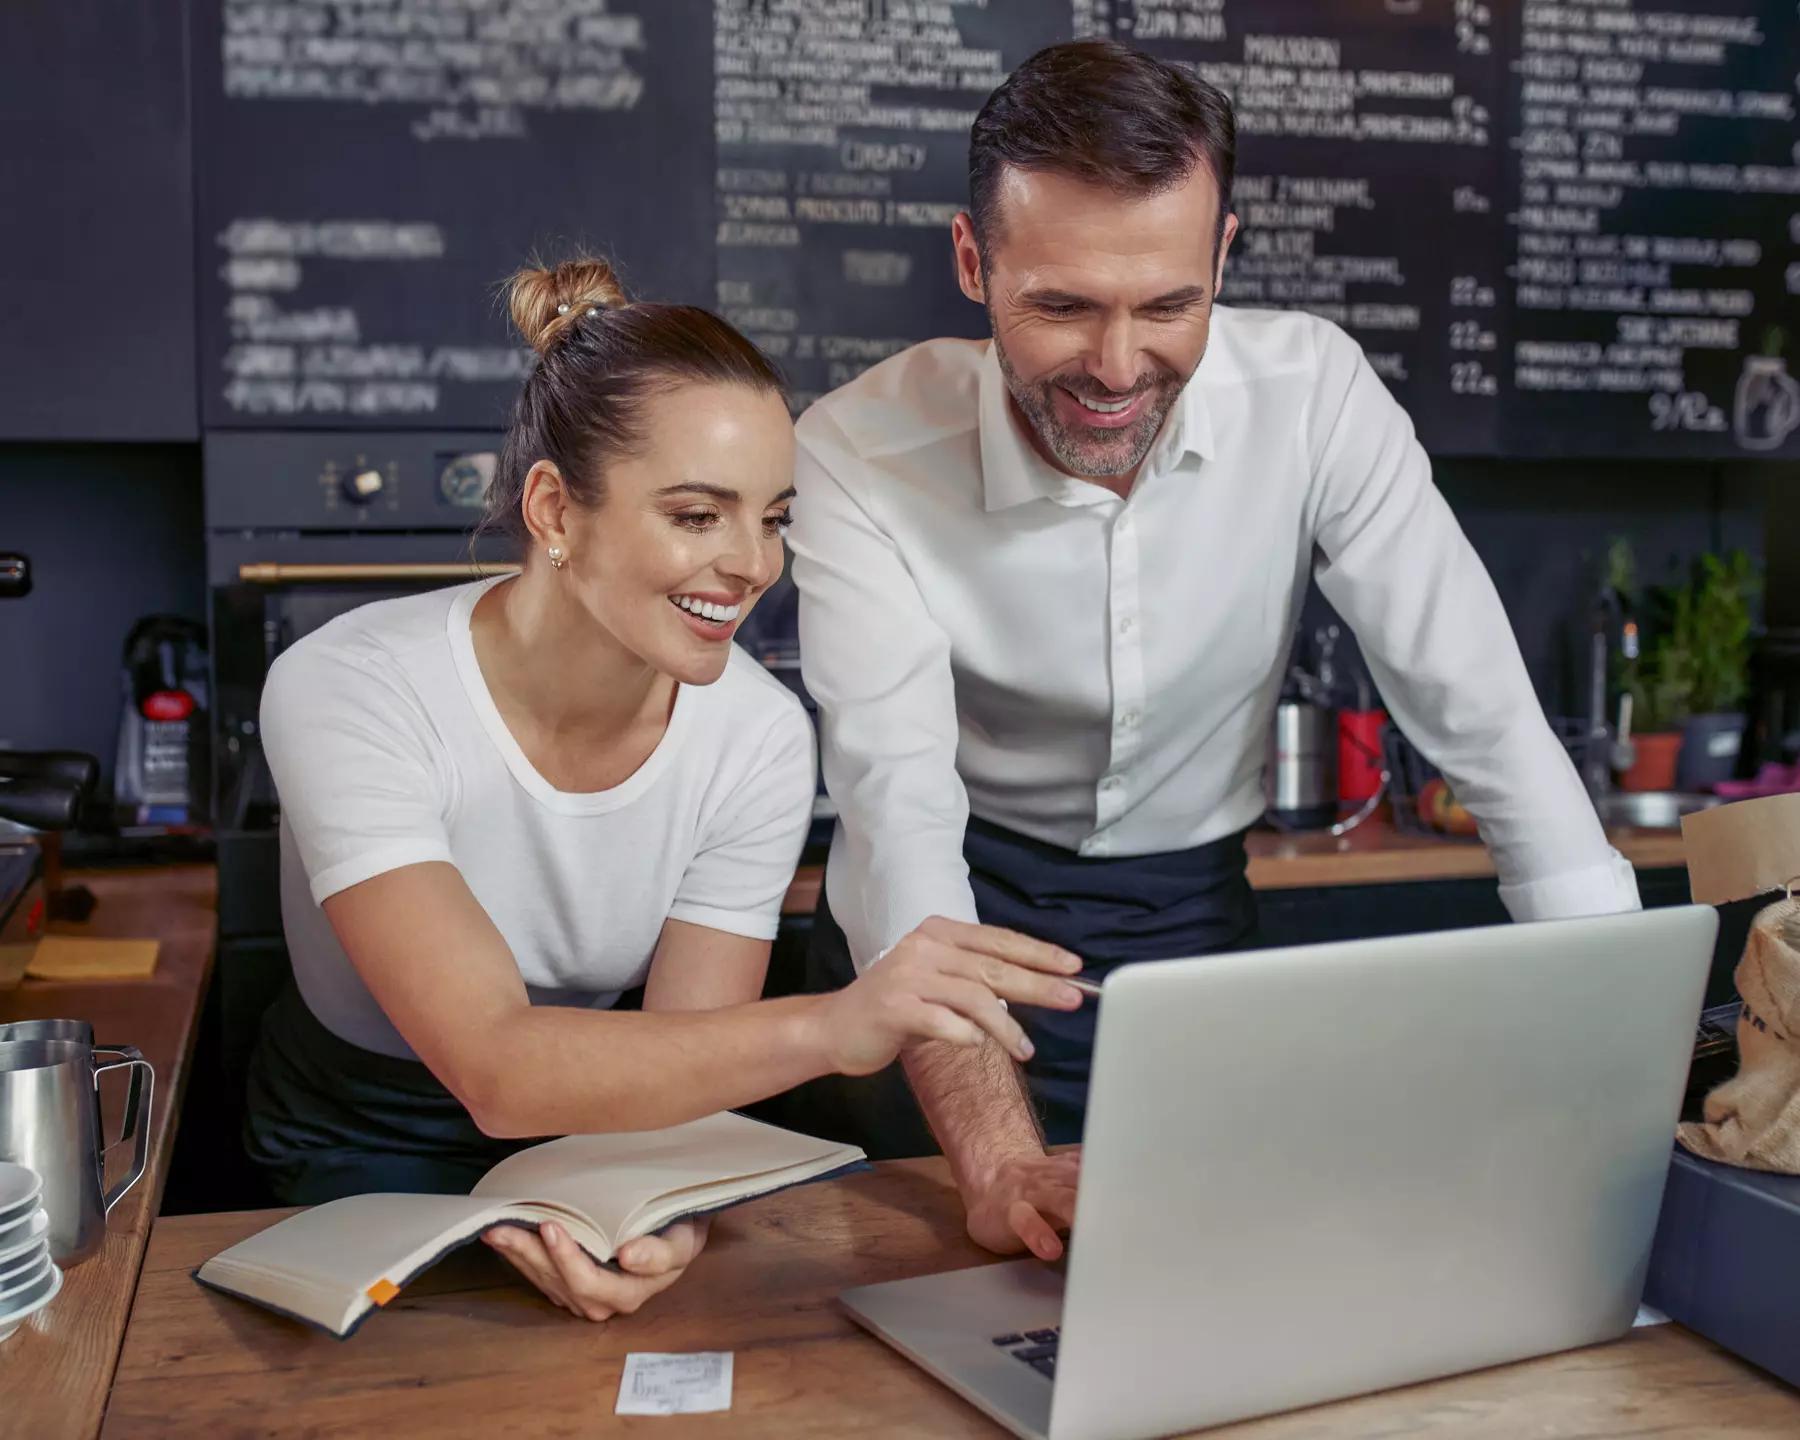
<point>1101,112</point>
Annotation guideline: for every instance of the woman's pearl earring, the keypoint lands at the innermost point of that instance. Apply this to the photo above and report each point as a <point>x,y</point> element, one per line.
<point>557,558</point>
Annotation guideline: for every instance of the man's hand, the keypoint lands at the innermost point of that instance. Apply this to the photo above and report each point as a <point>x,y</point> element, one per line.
<point>1025,1201</point>
<point>565,1272</point>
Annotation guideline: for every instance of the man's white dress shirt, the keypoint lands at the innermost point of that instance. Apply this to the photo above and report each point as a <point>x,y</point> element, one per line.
<point>987,635</point>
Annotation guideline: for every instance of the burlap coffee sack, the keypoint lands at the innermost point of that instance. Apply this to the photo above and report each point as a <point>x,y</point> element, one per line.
<point>1753,1119</point>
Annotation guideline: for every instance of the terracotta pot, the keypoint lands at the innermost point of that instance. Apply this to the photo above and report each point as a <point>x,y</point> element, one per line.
<point>1654,768</point>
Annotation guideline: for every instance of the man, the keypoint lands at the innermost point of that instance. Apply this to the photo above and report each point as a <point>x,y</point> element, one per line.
<point>1048,585</point>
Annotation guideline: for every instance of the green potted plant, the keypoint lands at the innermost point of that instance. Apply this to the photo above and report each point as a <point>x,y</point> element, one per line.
<point>1714,624</point>
<point>1691,673</point>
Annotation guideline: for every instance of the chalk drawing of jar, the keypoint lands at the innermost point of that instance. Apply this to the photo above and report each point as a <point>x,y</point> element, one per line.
<point>1767,407</point>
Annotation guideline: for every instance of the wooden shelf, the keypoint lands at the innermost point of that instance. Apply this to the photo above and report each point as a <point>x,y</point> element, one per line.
<point>1375,854</point>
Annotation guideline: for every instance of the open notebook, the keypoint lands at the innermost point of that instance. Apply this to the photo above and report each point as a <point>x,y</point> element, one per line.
<point>331,1265</point>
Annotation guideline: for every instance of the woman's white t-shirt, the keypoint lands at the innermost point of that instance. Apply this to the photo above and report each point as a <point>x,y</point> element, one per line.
<point>387,750</point>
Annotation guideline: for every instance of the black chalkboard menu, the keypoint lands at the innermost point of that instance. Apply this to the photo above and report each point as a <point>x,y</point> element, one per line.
<point>1368,179</point>
<point>1555,227</point>
<point>368,173</point>
<point>843,138</point>
<point>1653,196</point>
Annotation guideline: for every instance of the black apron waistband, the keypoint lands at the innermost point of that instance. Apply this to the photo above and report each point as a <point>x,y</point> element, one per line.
<point>1110,910</point>
<point>301,1030</point>
<point>326,1118</point>
<point>1113,909</point>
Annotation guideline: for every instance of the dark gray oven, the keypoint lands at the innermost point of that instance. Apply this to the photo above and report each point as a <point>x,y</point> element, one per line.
<point>301,528</point>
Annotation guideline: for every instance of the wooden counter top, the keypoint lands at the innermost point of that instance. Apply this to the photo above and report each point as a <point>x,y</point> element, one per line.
<point>55,1372</point>
<point>1373,854</point>
<point>1379,854</point>
<point>470,1351</point>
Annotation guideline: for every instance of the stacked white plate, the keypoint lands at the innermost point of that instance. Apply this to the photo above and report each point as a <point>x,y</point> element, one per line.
<point>29,1278</point>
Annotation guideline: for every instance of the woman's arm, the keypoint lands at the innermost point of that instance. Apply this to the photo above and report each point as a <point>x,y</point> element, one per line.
<point>440,969</point>
<point>700,969</point>
<point>695,969</point>
<point>444,975</point>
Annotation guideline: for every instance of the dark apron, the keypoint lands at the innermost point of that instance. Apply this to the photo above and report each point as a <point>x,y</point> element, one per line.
<point>1109,911</point>
<point>325,1118</point>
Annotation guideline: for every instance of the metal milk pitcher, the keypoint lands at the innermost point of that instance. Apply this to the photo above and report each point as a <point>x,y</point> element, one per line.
<point>82,1033</point>
<point>50,1120</point>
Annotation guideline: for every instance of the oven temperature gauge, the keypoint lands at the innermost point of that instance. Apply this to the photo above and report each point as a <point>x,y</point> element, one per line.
<point>465,479</point>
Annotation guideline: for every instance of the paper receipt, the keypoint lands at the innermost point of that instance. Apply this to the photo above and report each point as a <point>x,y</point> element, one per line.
<point>675,1384</point>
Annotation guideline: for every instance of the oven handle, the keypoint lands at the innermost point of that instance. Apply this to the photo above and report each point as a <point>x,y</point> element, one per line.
<point>268,572</point>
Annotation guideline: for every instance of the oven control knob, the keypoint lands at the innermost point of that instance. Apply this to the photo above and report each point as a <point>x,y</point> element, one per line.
<point>362,486</point>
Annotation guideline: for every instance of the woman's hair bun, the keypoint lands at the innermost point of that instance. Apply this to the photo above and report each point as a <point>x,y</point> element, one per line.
<point>547,303</point>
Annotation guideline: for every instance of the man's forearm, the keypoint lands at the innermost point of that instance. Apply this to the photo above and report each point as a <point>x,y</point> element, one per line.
<point>977,1106</point>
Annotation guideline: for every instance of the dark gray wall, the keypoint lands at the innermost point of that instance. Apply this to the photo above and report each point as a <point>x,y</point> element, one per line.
<point>1783,553</point>
<point>1542,528</point>
<point>114,532</point>
<point>97,319</point>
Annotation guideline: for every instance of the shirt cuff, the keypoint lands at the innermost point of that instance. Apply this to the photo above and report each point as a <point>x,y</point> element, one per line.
<point>907,902</point>
<point>1606,889</point>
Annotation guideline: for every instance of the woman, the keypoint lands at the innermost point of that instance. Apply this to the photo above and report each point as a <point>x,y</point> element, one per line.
<point>505,803</point>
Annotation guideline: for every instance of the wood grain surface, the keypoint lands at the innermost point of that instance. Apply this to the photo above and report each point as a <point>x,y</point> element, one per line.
<point>55,1371</point>
<point>469,1352</point>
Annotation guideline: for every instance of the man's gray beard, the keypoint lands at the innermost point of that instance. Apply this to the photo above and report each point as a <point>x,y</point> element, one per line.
<point>1039,409</point>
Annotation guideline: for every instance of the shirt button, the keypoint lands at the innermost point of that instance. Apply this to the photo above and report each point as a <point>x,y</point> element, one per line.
<point>1110,784</point>
<point>1130,718</point>
<point>1125,626</point>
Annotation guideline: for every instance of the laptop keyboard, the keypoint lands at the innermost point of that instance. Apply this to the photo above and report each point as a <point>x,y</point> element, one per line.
<point>1037,1348</point>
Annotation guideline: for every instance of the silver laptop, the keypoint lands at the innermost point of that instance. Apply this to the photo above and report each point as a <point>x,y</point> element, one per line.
<point>1317,1172</point>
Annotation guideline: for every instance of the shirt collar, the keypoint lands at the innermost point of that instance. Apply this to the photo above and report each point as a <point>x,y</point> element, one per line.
<point>1012,472</point>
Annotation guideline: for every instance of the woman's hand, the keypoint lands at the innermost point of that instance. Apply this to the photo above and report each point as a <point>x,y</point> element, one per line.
<point>566,1273</point>
<point>945,981</point>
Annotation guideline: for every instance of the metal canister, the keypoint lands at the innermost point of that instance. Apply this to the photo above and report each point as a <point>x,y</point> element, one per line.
<point>1300,783</point>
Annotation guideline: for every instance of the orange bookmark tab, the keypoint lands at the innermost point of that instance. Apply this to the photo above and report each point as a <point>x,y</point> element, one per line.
<point>383,1291</point>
